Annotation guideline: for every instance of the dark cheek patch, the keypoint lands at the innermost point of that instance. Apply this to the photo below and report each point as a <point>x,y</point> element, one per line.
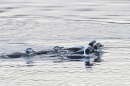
<point>101,45</point>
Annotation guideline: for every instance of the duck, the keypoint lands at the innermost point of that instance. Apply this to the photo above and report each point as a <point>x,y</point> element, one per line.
<point>81,49</point>
<point>28,52</point>
<point>19,54</point>
<point>89,54</point>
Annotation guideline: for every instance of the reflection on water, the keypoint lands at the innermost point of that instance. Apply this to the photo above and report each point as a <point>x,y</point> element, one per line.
<point>29,62</point>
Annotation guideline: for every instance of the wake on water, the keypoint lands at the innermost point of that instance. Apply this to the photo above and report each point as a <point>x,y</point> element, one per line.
<point>57,54</point>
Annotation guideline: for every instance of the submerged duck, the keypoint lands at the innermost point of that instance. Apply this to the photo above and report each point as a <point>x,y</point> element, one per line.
<point>28,52</point>
<point>19,54</point>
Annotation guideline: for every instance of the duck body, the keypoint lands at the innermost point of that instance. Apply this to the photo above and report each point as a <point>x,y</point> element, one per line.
<point>93,50</point>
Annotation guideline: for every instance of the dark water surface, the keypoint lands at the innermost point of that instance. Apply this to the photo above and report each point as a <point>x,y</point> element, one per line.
<point>44,24</point>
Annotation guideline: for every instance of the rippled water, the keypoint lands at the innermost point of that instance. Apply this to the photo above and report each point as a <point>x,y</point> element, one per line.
<point>45,24</point>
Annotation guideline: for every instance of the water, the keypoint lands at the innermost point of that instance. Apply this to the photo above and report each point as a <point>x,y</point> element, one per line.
<point>45,24</point>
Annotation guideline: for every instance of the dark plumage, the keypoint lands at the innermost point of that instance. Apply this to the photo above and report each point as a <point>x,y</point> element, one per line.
<point>75,56</point>
<point>74,49</point>
<point>41,52</point>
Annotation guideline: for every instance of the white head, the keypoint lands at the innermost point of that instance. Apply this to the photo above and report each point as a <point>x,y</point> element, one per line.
<point>57,48</point>
<point>29,50</point>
